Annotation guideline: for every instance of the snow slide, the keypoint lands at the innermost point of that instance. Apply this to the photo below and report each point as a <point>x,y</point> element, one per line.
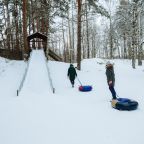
<point>37,80</point>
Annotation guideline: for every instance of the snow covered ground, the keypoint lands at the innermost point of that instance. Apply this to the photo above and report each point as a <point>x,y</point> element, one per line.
<point>37,116</point>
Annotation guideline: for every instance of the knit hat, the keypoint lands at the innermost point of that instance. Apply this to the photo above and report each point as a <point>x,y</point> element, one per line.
<point>108,63</point>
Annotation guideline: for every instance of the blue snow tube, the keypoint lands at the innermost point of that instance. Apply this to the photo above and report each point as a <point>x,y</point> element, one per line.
<point>124,104</point>
<point>85,88</point>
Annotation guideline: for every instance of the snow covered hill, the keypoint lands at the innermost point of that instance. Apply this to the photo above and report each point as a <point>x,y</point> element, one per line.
<point>37,81</point>
<point>37,116</point>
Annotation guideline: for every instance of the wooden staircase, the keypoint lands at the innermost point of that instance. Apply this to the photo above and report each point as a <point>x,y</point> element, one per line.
<point>53,55</point>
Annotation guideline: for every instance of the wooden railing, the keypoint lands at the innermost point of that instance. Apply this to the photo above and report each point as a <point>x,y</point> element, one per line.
<point>24,76</point>
<point>54,55</point>
<point>49,76</point>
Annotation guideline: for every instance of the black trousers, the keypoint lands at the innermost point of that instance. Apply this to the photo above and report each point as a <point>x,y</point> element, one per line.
<point>112,90</point>
<point>72,81</point>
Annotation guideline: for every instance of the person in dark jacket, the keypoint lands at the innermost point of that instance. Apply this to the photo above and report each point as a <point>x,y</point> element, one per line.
<point>111,78</point>
<point>72,74</point>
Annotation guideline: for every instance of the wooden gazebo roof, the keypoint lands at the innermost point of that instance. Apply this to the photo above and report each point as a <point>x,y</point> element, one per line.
<point>44,38</point>
<point>37,35</point>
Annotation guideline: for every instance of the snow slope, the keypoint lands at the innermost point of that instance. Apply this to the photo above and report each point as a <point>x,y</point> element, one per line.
<point>10,75</point>
<point>38,116</point>
<point>37,81</point>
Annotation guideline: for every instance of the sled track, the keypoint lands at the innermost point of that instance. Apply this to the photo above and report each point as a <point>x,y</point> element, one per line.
<point>24,76</point>
<point>26,71</point>
<point>49,76</point>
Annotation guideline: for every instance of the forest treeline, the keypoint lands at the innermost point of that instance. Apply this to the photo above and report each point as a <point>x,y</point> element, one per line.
<point>72,30</point>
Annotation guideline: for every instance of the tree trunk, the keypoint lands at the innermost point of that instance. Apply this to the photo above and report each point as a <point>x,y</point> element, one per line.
<point>73,43</point>
<point>140,49</point>
<point>64,44</point>
<point>79,2</point>
<point>125,50</point>
<point>70,43</point>
<point>25,29</point>
<point>111,40</point>
<point>83,42</point>
<point>17,27</point>
<point>8,31</point>
<point>87,33</point>
<point>134,36</point>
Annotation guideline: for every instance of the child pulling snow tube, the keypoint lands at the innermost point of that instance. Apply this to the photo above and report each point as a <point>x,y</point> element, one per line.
<point>85,88</point>
<point>124,104</point>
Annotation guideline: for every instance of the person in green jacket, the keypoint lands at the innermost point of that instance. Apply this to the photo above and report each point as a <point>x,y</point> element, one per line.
<point>72,74</point>
<point>111,78</point>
